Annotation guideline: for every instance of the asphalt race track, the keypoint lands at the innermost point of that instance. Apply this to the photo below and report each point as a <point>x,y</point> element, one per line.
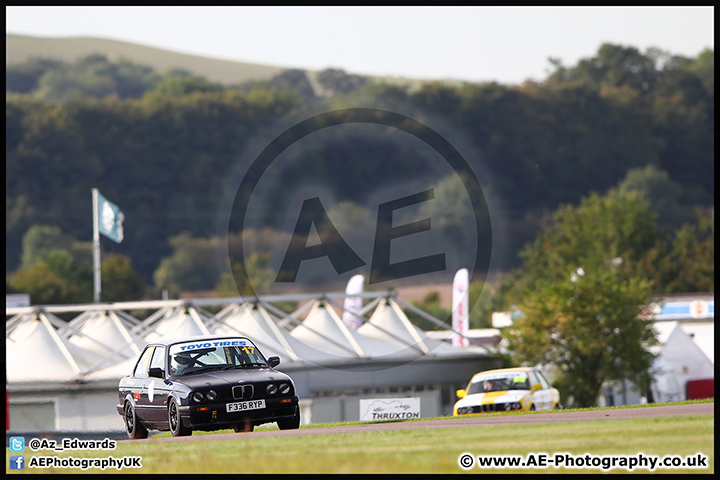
<point>464,422</point>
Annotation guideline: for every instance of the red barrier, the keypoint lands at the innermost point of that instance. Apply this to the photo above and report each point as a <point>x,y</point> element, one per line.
<point>703,388</point>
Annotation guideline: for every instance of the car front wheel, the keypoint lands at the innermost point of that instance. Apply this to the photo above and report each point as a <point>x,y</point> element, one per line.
<point>176,426</point>
<point>135,430</point>
<point>290,423</point>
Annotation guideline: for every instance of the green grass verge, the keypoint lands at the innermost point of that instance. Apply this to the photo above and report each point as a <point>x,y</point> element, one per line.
<point>432,450</point>
<point>272,426</point>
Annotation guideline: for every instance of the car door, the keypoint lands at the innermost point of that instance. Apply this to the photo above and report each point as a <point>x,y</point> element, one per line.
<point>138,384</point>
<point>547,397</point>
<point>541,395</point>
<point>155,390</point>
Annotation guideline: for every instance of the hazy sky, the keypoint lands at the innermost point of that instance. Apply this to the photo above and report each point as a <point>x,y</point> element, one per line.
<point>505,44</point>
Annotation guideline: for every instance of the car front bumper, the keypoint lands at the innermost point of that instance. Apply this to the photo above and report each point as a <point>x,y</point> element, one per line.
<point>214,416</point>
<point>490,408</point>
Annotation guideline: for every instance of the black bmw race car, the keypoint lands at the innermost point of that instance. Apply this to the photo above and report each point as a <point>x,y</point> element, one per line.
<point>205,383</point>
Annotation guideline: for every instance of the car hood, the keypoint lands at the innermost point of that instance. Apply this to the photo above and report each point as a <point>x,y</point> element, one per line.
<point>231,377</point>
<point>489,398</point>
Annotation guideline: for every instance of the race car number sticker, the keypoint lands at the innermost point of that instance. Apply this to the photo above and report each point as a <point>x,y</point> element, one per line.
<point>242,406</point>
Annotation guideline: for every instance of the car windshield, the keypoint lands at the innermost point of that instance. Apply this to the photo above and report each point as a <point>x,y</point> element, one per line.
<point>216,355</point>
<point>499,383</point>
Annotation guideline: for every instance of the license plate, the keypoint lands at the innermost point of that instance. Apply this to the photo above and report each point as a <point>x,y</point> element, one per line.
<point>249,405</point>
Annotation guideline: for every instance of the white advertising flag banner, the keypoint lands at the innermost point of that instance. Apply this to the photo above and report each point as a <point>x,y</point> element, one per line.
<point>353,305</point>
<point>460,313</point>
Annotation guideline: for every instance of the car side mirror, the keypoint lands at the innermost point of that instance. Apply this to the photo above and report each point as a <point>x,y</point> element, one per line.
<point>274,361</point>
<point>535,387</point>
<point>157,372</point>
<point>461,393</point>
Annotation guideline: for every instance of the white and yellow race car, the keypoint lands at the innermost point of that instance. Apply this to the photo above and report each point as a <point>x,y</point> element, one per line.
<point>507,390</point>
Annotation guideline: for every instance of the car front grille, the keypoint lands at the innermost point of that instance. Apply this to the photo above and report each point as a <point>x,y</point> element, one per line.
<point>243,392</point>
<point>488,408</point>
<point>493,407</point>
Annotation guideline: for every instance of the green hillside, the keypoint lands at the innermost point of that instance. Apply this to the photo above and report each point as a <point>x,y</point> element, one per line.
<point>21,47</point>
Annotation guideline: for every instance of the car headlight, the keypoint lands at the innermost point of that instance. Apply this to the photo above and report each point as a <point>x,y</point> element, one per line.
<point>198,397</point>
<point>211,396</point>
<point>271,389</point>
<point>463,410</point>
<point>284,388</point>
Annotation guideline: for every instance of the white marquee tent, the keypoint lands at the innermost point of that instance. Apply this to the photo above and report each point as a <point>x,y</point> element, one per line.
<point>679,359</point>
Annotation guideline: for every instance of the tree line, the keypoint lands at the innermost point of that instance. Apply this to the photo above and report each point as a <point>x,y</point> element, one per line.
<point>163,147</point>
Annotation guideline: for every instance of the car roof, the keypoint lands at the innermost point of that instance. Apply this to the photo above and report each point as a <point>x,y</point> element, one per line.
<point>194,338</point>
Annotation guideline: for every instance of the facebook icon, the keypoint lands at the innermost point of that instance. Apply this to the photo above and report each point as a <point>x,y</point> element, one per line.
<point>17,462</point>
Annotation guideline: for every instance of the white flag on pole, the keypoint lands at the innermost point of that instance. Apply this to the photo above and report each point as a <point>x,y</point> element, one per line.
<point>460,313</point>
<point>110,219</point>
<point>353,305</point>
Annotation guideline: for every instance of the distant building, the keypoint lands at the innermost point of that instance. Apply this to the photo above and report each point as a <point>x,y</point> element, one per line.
<point>17,300</point>
<point>686,331</point>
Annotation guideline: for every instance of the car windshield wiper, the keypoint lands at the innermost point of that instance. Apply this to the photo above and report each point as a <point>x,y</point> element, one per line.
<point>210,368</point>
<point>243,365</point>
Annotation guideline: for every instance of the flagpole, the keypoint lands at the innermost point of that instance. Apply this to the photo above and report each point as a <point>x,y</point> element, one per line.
<point>96,246</point>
